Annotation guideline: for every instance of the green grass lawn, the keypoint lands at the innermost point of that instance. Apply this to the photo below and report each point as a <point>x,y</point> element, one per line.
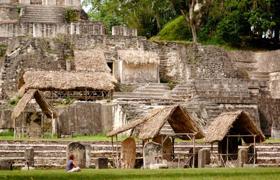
<point>98,137</point>
<point>219,173</point>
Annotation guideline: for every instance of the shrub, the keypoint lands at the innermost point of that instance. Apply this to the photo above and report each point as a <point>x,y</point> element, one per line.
<point>14,100</point>
<point>176,29</point>
<point>71,15</point>
<point>3,49</point>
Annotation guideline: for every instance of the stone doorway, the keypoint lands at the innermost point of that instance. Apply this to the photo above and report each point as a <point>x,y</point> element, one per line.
<point>111,66</point>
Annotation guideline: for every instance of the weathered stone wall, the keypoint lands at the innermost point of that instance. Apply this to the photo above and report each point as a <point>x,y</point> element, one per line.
<point>81,118</point>
<point>48,30</point>
<point>269,110</point>
<point>8,13</point>
<point>274,85</point>
<point>52,154</point>
<point>28,53</point>
<point>76,3</point>
<point>123,31</point>
<point>181,62</point>
<point>5,119</point>
<point>88,118</point>
<point>141,73</point>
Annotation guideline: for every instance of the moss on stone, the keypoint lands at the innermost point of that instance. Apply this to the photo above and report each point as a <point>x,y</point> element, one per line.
<point>3,49</point>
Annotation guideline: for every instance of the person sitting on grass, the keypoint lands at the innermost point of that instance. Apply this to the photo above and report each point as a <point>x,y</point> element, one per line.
<point>71,165</point>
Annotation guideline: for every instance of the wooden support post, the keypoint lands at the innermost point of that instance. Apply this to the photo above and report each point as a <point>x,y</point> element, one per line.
<point>117,150</point>
<point>112,142</point>
<point>227,148</point>
<point>193,140</point>
<point>254,150</point>
<point>173,148</point>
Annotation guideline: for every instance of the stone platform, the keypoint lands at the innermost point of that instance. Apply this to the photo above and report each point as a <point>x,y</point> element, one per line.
<point>52,154</point>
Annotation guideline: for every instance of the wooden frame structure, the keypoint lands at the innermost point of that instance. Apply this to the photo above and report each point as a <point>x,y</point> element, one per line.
<point>183,126</point>
<point>47,109</point>
<point>229,129</point>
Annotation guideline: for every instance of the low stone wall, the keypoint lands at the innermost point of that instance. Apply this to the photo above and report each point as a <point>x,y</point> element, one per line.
<point>123,31</point>
<point>53,154</point>
<point>76,3</point>
<point>49,30</point>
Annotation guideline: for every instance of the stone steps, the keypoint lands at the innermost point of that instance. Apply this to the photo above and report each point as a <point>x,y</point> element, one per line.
<point>43,14</point>
<point>268,165</point>
<point>137,95</point>
<point>150,90</point>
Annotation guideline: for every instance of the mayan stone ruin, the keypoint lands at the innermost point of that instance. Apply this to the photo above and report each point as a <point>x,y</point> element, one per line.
<point>61,78</point>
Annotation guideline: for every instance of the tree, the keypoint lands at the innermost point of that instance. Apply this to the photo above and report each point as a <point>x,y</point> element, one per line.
<point>193,11</point>
<point>148,16</point>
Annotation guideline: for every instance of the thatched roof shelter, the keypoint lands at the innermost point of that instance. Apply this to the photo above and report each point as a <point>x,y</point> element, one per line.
<point>91,60</point>
<point>137,57</point>
<point>150,125</point>
<point>47,109</point>
<point>233,123</point>
<point>64,80</point>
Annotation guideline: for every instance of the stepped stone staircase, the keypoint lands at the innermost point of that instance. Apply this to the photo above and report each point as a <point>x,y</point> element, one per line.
<point>11,62</point>
<point>53,154</point>
<point>146,91</point>
<point>147,94</point>
<point>206,88</point>
<point>144,98</point>
<point>43,14</point>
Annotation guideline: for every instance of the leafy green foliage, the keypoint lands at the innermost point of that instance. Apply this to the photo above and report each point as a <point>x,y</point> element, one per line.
<point>3,49</point>
<point>71,15</point>
<point>148,16</point>
<point>236,23</point>
<point>14,100</point>
<point>7,133</point>
<point>176,29</point>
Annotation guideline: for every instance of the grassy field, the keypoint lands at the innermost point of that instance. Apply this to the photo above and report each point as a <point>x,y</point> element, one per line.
<point>98,137</point>
<point>216,174</point>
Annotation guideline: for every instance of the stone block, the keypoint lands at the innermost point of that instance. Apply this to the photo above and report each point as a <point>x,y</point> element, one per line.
<point>242,156</point>
<point>29,157</point>
<point>152,154</point>
<point>203,157</point>
<point>128,153</point>
<point>101,163</point>
<point>88,158</point>
<point>6,165</point>
<point>79,152</point>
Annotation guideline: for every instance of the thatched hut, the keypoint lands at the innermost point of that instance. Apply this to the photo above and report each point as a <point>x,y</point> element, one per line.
<point>229,129</point>
<point>163,125</point>
<point>77,85</point>
<point>138,66</point>
<point>155,123</point>
<point>91,60</point>
<point>46,108</point>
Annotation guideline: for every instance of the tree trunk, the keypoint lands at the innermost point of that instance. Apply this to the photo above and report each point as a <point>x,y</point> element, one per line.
<point>194,34</point>
<point>192,20</point>
<point>276,35</point>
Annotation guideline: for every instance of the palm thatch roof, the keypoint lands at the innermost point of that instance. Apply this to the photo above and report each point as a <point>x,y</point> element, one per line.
<point>151,124</point>
<point>44,105</point>
<point>64,80</point>
<point>91,60</point>
<point>137,57</point>
<point>233,123</point>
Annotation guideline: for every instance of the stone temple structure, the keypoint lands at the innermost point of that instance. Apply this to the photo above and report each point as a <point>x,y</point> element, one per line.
<point>38,35</point>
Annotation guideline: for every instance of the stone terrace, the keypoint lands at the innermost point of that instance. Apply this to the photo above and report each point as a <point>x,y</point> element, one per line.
<point>53,153</point>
